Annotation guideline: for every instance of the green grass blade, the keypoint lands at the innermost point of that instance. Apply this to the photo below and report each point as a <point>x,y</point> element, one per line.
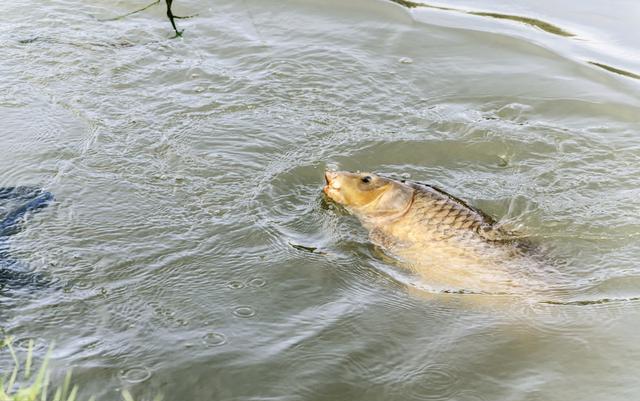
<point>66,384</point>
<point>73,394</point>
<point>58,395</point>
<point>127,396</point>
<point>45,385</point>
<point>27,367</point>
<point>16,367</point>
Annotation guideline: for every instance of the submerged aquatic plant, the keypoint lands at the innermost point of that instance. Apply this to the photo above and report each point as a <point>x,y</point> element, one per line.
<point>25,387</point>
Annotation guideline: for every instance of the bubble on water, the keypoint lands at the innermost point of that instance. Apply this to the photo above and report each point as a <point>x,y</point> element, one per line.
<point>136,374</point>
<point>199,89</point>
<point>244,311</point>
<point>235,285</point>
<point>194,75</point>
<point>405,60</point>
<point>503,161</point>
<point>257,282</point>
<point>82,285</point>
<point>214,339</point>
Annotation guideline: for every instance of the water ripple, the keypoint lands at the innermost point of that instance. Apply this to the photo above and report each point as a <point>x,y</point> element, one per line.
<point>196,248</point>
<point>136,374</point>
<point>244,311</point>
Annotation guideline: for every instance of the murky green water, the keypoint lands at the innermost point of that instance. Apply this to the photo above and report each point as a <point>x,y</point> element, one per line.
<point>197,256</point>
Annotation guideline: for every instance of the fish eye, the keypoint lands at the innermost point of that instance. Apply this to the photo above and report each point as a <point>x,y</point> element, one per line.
<point>366,179</point>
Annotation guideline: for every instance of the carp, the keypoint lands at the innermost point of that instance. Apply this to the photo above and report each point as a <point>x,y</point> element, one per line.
<point>450,245</point>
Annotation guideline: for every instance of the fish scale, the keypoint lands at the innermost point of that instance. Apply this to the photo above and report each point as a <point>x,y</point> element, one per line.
<point>445,211</point>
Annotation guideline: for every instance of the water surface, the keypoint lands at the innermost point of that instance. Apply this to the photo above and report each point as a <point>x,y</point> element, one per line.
<point>193,253</point>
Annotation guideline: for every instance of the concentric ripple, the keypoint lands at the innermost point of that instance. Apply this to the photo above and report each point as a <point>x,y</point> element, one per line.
<point>244,311</point>
<point>136,374</point>
<point>214,339</point>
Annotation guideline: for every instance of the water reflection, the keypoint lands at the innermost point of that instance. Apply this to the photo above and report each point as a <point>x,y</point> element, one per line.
<point>545,26</point>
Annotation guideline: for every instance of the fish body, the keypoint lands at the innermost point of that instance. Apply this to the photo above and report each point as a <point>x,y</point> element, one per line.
<point>447,243</point>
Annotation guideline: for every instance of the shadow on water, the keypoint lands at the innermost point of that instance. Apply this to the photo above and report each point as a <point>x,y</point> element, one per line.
<point>15,204</point>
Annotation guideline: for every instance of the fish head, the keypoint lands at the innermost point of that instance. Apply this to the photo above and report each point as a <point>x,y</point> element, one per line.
<point>367,193</point>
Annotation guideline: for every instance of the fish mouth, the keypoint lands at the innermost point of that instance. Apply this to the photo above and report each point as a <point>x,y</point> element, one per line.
<point>327,181</point>
<point>329,177</point>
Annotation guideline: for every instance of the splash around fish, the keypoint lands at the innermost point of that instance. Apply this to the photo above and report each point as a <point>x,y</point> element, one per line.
<point>450,245</point>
